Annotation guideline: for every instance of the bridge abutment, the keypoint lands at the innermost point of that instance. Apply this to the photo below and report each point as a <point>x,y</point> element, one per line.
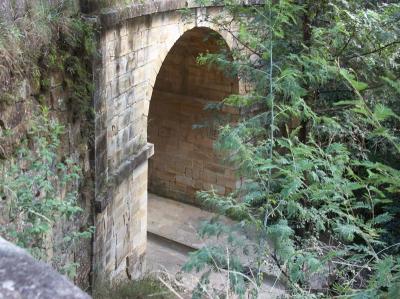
<point>133,47</point>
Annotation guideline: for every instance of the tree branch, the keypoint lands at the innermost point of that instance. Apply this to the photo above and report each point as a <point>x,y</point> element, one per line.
<point>374,51</point>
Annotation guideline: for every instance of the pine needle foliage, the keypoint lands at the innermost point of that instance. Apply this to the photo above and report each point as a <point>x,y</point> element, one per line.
<point>320,161</point>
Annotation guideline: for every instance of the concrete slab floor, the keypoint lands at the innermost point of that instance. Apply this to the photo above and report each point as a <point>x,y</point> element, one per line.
<point>172,236</point>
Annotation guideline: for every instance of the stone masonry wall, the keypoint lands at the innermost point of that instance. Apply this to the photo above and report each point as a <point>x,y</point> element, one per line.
<point>120,229</point>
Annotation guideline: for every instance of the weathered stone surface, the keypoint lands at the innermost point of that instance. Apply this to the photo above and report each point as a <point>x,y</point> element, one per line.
<point>121,228</point>
<point>22,277</point>
<point>112,17</point>
<point>123,172</point>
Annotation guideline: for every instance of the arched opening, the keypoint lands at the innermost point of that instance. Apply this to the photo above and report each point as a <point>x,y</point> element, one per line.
<point>184,161</point>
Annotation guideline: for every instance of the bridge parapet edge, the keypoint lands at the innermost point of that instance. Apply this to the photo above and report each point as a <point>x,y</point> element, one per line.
<point>113,17</point>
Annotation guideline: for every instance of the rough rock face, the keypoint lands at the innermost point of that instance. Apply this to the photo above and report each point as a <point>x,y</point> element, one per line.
<point>22,277</point>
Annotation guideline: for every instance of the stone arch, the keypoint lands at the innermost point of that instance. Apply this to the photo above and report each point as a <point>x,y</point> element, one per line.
<point>134,44</point>
<point>184,160</point>
<point>200,20</point>
<point>165,48</point>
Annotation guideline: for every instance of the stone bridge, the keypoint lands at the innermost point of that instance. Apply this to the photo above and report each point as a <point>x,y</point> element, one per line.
<point>149,93</point>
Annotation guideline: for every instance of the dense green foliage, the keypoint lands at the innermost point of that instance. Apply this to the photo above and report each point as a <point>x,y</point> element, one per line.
<point>320,162</point>
<point>41,189</point>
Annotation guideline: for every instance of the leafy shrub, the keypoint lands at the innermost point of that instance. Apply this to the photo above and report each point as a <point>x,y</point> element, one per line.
<point>40,188</point>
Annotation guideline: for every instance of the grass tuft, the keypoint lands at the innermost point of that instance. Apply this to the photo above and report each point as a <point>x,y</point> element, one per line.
<point>146,288</point>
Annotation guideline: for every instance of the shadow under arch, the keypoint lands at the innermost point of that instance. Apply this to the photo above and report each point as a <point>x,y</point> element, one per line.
<point>184,160</point>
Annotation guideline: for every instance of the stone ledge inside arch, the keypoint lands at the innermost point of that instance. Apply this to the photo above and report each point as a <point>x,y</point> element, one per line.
<point>123,171</point>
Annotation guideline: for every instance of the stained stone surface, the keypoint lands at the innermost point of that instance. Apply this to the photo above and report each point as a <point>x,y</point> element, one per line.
<point>22,277</point>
